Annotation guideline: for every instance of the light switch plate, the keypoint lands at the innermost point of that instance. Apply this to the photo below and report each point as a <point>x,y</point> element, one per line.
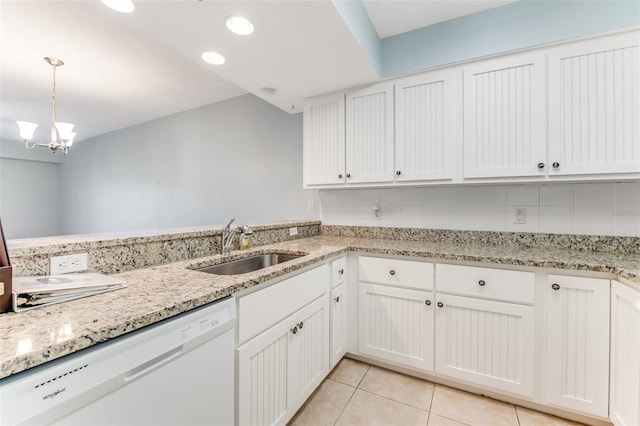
<point>293,231</point>
<point>69,263</point>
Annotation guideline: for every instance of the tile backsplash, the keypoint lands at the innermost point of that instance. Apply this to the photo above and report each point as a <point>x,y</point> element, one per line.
<point>576,208</point>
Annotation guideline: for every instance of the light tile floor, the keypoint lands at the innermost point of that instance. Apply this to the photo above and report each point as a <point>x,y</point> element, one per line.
<point>356,393</point>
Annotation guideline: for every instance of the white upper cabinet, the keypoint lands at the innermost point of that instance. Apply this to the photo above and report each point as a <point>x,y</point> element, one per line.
<point>565,112</point>
<point>324,141</point>
<point>594,106</point>
<point>425,125</point>
<point>504,117</point>
<point>369,114</point>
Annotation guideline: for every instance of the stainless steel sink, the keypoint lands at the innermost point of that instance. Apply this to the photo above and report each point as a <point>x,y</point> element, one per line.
<point>249,264</point>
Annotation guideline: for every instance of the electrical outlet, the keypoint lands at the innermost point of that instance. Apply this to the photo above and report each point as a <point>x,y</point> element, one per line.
<point>70,263</point>
<point>519,215</point>
<point>293,231</point>
<point>377,212</point>
<point>311,204</point>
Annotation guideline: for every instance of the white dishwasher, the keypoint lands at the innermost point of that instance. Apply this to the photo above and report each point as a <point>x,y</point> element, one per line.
<point>177,372</point>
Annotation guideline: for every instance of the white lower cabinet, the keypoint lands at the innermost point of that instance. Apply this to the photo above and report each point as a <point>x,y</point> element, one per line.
<point>486,342</point>
<point>625,355</point>
<point>338,301</point>
<point>279,369</point>
<point>396,324</point>
<point>263,364</point>
<point>577,344</point>
<point>309,354</point>
<point>283,332</point>
<point>493,328</point>
<point>475,325</point>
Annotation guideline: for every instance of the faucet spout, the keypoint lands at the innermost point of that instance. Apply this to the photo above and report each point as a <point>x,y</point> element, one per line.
<point>227,236</point>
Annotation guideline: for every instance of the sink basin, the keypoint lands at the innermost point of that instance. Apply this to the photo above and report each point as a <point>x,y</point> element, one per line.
<point>249,264</point>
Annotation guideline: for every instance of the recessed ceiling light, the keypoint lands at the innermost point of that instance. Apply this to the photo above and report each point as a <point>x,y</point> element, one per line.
<point>214,58</point>
<point>123,6</point>
<point>239,25</point>
<point>268,90</point>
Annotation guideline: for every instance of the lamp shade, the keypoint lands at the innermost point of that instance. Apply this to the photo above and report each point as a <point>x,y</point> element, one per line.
<point>27,129</point>
<point>65,130</point>
<point>72,136</point>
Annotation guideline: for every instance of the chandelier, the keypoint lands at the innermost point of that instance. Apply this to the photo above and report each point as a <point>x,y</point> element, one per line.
<point>62,134</point>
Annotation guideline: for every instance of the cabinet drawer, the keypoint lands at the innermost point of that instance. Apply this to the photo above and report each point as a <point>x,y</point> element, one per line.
<point>264,308</point>
<point>498,284</point>
<point>338,272</point>
<point>405,273</point>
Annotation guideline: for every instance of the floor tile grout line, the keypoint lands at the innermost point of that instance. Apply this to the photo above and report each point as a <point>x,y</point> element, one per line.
<point>356,387</point>
<point>394,400</point>
<point>363,376</point>
<point>433,392</point>
<point>345,406</point>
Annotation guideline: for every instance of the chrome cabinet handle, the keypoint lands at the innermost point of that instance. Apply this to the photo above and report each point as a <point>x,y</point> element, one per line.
<point>300,325</point>
<point>427,302</point>
<point>482,283</point>
<point>294,330</point>
<point>398,173</point>
<point>341,271</point>
<point>340,176</point>
<point>556,165</point>
<point>440,304</point>
<point>337,299</point>
<point>392,272</point>
<point>555,286</point>
<point>348,175</point>
<point>541,165</point>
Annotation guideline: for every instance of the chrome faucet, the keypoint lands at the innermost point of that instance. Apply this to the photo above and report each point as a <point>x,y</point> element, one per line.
<point>228,233</point>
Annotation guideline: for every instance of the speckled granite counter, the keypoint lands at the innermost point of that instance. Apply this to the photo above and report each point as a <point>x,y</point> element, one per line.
<point>32,338</point>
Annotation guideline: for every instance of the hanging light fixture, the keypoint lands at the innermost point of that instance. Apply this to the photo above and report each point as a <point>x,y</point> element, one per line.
<point>62,134</point>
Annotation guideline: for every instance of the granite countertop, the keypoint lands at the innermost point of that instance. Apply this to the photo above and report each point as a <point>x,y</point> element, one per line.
<point>34,337</point>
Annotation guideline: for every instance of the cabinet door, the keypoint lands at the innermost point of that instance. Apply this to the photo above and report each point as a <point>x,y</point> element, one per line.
<point>504,118</point>
<point>594,104</point>
<point>338,323</point>
<point>396,325</point>
<point>577,333</point>
<point>485,342</point>
<point>263,374</point>
<point>425,126</point>
<point>625,355</point>
<point>338,272</point>
<point>309,351</point>
<point>370,134</point>
<point>323,141</point>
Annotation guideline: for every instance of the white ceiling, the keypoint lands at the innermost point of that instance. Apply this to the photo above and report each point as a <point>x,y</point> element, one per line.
<point>124,69</point>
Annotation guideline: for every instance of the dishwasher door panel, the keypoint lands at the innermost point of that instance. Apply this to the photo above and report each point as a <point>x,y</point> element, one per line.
<point>180,371</point>
<point>187,390</point>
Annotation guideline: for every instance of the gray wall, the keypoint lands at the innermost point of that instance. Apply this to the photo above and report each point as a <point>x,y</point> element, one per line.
<point>29,185</point>
<point>28,197</point>
<point>240,157</point>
